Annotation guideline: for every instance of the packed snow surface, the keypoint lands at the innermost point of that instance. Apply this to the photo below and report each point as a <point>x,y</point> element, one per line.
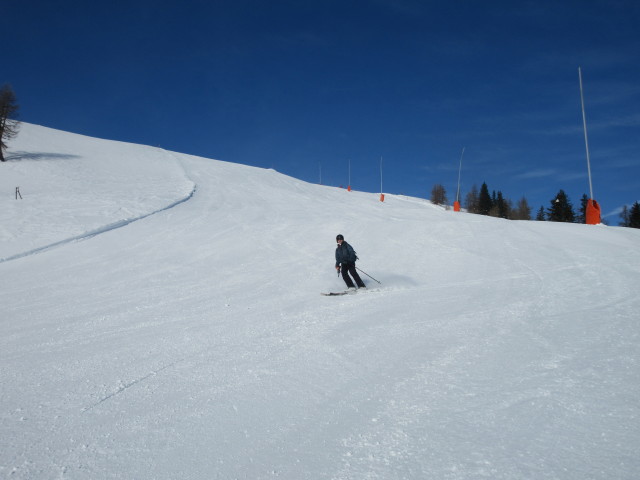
<point>161,318</point>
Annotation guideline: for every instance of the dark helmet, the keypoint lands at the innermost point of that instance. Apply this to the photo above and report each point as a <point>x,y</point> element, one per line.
<point>339,237</point>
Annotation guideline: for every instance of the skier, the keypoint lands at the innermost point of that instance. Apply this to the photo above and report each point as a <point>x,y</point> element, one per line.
<point>346,257</point>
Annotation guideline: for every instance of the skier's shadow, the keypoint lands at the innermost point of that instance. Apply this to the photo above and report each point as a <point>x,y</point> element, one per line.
<point>391,281</point>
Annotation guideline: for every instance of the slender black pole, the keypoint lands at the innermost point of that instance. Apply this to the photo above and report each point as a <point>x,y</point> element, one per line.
<point>369,276</point>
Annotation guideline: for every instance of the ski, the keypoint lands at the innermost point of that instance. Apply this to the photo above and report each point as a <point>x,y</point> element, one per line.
<point>346,292</point>
<point>350,292</point>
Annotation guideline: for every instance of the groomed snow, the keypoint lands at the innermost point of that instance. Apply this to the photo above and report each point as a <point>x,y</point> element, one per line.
<point>160,318</point>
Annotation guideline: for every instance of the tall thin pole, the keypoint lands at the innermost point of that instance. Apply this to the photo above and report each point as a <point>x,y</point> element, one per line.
<point>380,173</point>
<point>586,140</point>
<point>459,171</point>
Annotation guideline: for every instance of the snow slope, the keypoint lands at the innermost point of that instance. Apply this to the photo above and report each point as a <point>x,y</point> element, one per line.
<point>81,186</point>
<point>160,318</point>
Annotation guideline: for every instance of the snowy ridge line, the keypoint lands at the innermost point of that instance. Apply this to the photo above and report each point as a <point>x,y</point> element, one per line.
<point>98,231</point>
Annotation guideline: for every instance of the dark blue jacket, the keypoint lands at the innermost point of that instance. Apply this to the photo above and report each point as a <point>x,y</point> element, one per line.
<point>345,254</point>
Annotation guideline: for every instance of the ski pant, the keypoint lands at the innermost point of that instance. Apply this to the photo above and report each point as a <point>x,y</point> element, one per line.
<point>350,268</point>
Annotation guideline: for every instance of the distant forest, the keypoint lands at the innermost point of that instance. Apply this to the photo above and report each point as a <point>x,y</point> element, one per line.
<point>560,209</point>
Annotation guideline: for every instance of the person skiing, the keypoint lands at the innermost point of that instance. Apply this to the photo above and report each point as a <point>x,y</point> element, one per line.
<point>346,262</point>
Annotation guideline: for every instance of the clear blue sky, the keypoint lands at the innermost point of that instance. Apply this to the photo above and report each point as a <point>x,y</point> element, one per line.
<point>305,86</point>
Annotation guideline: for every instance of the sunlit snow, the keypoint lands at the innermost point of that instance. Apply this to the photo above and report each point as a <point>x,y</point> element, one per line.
<point>161,318</point>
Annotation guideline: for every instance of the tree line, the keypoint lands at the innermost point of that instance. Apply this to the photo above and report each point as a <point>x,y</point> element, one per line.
<point>630,216</point>
<point>495,204</point>
<point>8,113</point>
<point>482,202</point>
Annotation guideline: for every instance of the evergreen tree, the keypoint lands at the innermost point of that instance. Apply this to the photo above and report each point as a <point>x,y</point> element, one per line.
<point>500,206</point>
<point>625,216</point>
<point>484,200</point>
<point>503,206</point>
<point>634,216</point>
<point>561,209</point>
<point>540,217</point>
<point>582,217</point>
<point>472,200</point>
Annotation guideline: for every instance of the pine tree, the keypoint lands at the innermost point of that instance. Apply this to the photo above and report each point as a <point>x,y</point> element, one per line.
<point>625,216</point>
<point>503,206</point>
<point>540,217</point>
<point>582,217</point>
<point>484,200</point>
<point>561,209</point>
<point>634,216</point>
<point>500,207</point>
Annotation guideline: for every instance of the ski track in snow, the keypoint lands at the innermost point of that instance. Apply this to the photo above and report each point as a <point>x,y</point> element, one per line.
<point>98,231</point>
<point>125,386</point>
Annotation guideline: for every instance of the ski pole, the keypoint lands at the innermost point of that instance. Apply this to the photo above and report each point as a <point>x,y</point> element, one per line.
<point>369,276</point>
